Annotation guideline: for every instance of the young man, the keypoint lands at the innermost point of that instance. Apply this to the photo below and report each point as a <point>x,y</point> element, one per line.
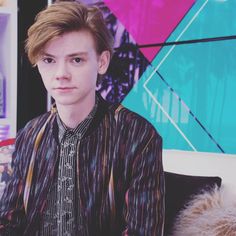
<point>86,167</point>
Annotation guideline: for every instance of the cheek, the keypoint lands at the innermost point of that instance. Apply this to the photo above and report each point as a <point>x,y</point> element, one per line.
<point>43,70</point>
<point>45,73</point>
<point>86,76</point>
<point>45,81</point>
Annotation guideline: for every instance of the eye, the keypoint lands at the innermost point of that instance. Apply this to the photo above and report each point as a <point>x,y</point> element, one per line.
<point>48,60</point>
<point>77,60</point>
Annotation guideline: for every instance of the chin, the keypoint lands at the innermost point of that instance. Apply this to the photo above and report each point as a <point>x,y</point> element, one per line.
<point>66,103</point>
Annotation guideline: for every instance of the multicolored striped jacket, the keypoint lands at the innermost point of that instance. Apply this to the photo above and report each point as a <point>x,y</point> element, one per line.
<point>120,180</point>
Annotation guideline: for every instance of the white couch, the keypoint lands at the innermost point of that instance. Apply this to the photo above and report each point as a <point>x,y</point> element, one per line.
<point>202,164</point>
<point>198,217</point>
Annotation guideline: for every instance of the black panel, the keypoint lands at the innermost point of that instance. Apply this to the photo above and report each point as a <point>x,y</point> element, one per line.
<point>31,97</point>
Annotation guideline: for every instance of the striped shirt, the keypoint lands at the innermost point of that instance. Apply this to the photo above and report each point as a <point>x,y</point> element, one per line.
<point>60,214</point>
<point>120,176</point>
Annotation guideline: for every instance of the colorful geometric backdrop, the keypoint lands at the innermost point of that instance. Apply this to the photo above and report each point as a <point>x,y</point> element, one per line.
<point>175,65</point>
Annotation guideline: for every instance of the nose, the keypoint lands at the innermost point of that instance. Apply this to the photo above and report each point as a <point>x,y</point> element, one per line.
<point>62,71</point>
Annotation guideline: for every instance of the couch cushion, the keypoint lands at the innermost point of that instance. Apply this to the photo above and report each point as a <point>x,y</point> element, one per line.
<point>208,213</point>
<point>179,190</point>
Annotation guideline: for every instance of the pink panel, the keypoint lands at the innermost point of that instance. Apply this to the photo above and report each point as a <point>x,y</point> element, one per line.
<point>149,21</point>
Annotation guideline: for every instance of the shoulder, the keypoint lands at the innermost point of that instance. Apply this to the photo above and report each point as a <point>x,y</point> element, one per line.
<point>33,126</point>
<point>25,140</point>
<point>127,117</point>
<point>135,123</point>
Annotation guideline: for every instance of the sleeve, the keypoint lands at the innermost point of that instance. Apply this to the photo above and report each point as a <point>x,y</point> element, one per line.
<point>144,200</point>
<point>12,214</point>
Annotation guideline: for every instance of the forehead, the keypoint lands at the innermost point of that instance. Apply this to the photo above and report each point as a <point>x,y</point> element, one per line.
<point>71,42</point>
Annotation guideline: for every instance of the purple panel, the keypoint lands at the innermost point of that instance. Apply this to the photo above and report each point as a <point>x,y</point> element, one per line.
<point>149,21</point>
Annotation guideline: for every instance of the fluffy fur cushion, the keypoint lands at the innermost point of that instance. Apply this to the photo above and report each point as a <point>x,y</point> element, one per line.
<point>210,213</point>
<point>179,189</point>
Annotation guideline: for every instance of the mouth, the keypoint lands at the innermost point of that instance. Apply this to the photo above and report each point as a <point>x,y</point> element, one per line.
<point>64,89</point>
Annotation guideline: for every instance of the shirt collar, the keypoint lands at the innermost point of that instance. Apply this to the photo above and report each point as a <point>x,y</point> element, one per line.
<point>81,128</point>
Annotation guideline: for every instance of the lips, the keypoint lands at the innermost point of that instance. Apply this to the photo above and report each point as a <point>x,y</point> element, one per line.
<point>64,89</point>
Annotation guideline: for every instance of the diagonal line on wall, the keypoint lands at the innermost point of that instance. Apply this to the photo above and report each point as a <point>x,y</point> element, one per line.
<point>169,118</point>
<point>191,113</point>
<point>158,66</point>
<point>172,48</point>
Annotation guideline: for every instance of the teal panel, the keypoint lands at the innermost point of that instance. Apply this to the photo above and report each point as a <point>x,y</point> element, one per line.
<point>189,92</point>
<point>207,19</point>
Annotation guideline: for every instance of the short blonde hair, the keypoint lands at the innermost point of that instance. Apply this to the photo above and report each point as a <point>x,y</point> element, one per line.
<point>63,17</point>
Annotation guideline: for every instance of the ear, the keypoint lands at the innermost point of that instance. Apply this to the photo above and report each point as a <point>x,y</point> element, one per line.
<point>103,62</point>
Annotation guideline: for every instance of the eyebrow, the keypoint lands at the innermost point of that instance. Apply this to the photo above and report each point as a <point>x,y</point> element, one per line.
<point>69,55</point>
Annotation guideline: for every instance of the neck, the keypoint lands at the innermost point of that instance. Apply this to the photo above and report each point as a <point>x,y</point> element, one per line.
<point>73,115</point>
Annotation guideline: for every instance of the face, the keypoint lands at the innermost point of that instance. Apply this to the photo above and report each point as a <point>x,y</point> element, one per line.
<point>69,66</point>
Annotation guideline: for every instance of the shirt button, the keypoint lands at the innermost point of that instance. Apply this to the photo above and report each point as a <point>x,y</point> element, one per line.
<point>67,216</point>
